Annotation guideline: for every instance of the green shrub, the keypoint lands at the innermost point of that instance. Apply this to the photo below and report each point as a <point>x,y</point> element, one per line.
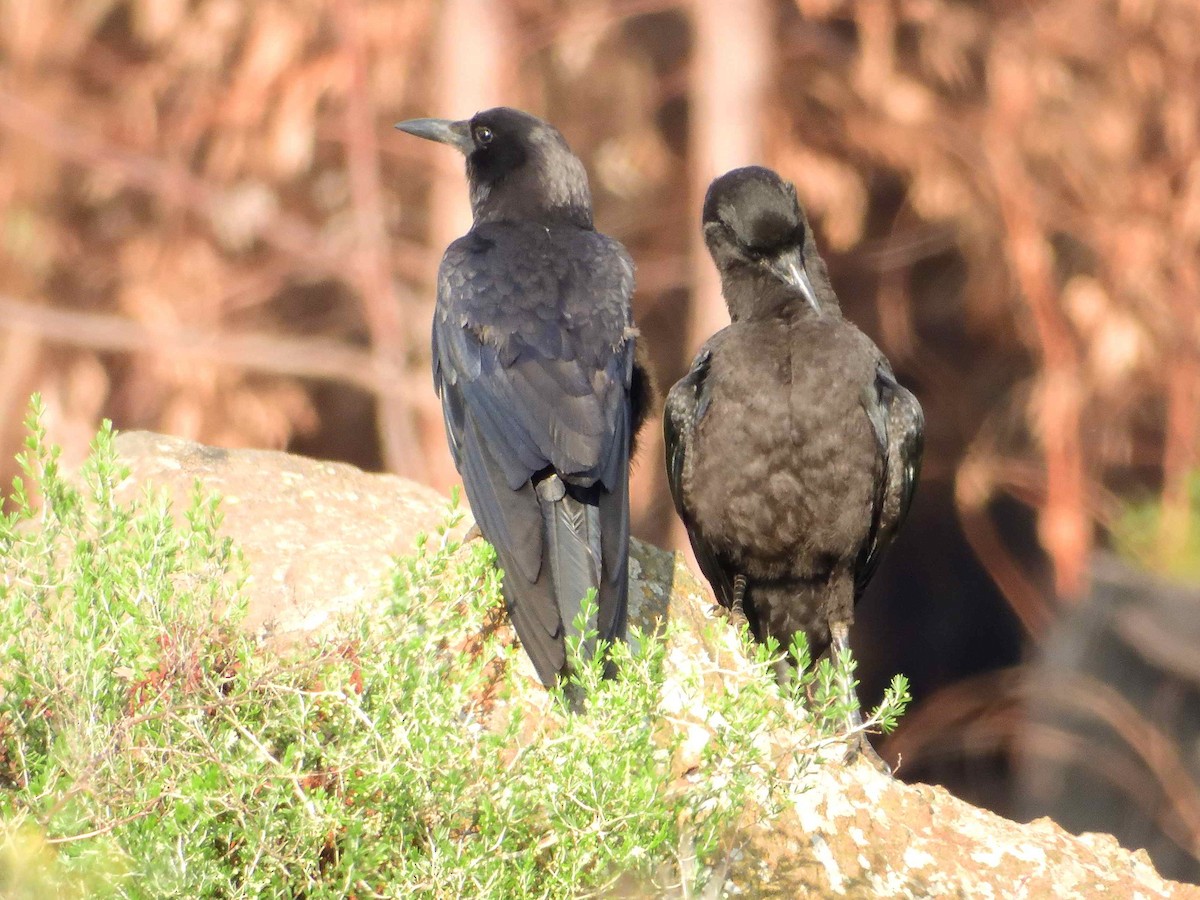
<point>149,747</point>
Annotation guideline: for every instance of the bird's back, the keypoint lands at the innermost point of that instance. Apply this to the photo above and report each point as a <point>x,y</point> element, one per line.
<point>533,356</point>
<point>553,304</point>
<point>540,285</point>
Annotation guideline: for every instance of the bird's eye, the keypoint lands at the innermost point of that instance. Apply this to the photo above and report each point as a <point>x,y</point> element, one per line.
<point>483,135</point>
<point>755,255</point>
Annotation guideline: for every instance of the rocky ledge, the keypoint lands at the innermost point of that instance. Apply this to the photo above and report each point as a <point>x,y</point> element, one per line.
<point>318,537</point>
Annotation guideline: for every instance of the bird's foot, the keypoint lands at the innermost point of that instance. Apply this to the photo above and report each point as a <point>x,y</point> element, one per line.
<point>860,748</point>
<point>737,612</point>
<point>736,616</point>
<point>473,534</point>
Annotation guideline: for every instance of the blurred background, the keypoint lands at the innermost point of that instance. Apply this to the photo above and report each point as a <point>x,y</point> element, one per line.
<point>209,228</point>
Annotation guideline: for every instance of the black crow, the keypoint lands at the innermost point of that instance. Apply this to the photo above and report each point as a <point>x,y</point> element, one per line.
<point>533,358</point>
<point>792,452</point>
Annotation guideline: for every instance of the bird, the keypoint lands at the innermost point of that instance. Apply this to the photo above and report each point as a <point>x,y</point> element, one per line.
<point>792,451</point>
<point>542,384</point>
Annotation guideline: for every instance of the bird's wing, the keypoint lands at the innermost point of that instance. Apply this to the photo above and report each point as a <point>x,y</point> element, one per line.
<point>681,415</point>
<point>899,427</point>
<point>541,347</point>
<point>687,403</point>
<point>533,360</point>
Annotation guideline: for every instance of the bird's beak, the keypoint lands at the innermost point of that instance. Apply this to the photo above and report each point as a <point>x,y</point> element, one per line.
<point>444,131</point>
<point>790,268</point>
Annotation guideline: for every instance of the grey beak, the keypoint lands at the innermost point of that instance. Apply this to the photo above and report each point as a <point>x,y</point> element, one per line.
<point>444,131</point>
<point>789,267</point>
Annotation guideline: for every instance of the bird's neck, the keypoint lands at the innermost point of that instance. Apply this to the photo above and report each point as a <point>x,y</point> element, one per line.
<point>546,194</point>
<point>514,210</point>
<point>762,297</point>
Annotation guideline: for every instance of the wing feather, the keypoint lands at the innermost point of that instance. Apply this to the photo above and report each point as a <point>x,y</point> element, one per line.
<point>899,426</point>
<point>687,403</point>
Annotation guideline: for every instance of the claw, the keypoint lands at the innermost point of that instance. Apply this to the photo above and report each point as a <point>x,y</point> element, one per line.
<point>735,616</point>
<point>735,613</point>
<point>860,748</point>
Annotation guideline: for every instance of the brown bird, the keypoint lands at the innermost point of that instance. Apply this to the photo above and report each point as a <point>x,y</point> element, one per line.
<point>792,452</point>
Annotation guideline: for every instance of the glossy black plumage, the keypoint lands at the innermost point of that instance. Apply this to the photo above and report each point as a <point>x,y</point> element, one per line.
<point>792,452</point>
<point>534,361</point>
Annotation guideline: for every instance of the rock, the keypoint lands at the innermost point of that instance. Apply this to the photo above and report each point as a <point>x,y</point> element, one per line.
<point>861,834</point>
<point>318,538</point>
<point>1119,674</point>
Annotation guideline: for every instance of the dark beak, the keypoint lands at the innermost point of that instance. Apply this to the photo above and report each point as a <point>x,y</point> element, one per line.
<point>789,267</point>
<point>456,134</point>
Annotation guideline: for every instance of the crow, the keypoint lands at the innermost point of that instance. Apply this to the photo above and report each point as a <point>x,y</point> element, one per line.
<point>792,451</point>
<point>535,360</point>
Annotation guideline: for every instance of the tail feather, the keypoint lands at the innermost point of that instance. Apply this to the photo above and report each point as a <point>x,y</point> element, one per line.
<point>572,549</point>
<point>613,519</point>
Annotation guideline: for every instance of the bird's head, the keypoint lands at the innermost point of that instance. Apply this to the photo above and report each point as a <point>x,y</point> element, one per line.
<point>518,166</point>
<point>760,240</point>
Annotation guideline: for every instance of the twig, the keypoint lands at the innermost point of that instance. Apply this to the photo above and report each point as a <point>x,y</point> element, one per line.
<point>972,489</point>
<point>1064,525</point>
<point>108,827</point>
<point>392,340</point>
<point>317,359</point>
<point>306,246</point>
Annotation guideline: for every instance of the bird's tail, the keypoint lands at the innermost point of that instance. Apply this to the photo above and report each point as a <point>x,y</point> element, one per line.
<point>571,523</point>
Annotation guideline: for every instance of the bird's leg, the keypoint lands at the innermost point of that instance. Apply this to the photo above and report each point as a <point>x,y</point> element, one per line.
<point>737,612</point>
<point>839,633</point>
<point>473,533</point>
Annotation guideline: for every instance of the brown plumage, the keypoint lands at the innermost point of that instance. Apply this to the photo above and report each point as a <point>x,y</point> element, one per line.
<point>792,453</point>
